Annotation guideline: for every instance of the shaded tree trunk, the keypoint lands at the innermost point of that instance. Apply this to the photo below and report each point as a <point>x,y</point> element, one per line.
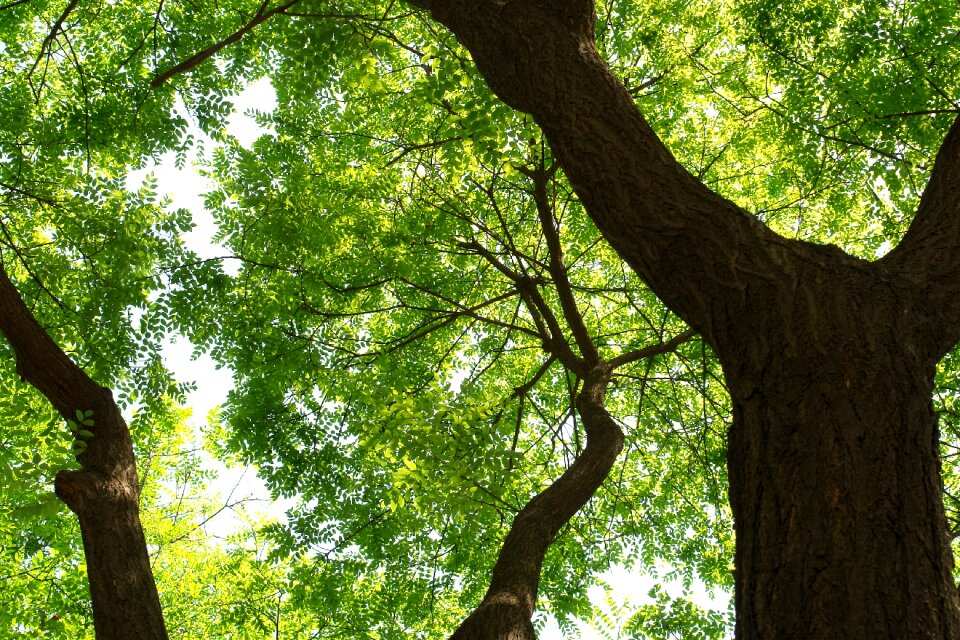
<point>506,609</point>
<point>104,492</point>
<point>834,462</point>
<point>833,456</point>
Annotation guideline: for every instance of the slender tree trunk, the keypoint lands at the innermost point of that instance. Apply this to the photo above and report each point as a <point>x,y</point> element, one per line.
<point>104,492</point>
<point>505,611</point>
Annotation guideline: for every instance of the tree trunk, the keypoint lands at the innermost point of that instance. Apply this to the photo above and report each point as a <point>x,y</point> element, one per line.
<point>104,493</point>
<point>839,534</point>
<point>124,595</point>
<point>834,461</point>
<point>505,611</point>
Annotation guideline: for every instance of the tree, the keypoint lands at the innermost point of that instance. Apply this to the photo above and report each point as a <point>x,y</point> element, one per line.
<point>830,359</point>
<point>835,491</point>
<point>531,322</point>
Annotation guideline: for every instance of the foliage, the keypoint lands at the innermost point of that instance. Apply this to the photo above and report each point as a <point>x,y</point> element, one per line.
<point>390,373</point>
<point>232,588</point>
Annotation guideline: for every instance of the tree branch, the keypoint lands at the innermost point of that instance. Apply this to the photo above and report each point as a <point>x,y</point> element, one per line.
<point>508,605</point>
<point>10,5</point>
<point>652,350</point>
<point>470,312</point>
<point>200,57</point>
<point>543,316</point>
<point>558,271</point>
<point>696,250</point>
<point>54,30</point>
<point>928,256</point>
<point>39,360</point>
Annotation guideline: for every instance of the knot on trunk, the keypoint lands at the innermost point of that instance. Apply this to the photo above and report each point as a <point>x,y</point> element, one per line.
<point>86,490</point>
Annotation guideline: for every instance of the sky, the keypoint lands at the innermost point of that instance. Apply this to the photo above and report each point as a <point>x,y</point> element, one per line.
<point>185,187</point>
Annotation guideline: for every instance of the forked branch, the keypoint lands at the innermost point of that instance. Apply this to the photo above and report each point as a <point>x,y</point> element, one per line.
<point>929,254</point>
<point>696,250</point>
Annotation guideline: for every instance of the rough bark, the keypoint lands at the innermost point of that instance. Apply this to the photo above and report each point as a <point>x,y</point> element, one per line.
<point>104,492</point>
<point>834,465</point>
<point>928,256</point>
<point>540,58</point>
<point>833,456</point>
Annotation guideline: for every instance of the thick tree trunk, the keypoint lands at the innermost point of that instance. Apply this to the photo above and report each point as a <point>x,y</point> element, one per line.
<point>106,501</point>
<point>834,463</point>
<point>839,534</point>
<point>105,492</point>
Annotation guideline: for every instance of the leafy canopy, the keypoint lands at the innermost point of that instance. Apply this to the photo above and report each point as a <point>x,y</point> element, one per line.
<point>389,285</point>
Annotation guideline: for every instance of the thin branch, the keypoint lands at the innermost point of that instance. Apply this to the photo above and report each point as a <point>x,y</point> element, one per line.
<point>54,30</point>
<point>464,310</point>
<point>561,280</point>
<point>652,350</point>
<point>923,112</point>
<point>10,5</point>
<point>406,150</point>
<point>543,316</point>
<point>26,265</point>
<point>198,58</point>
<point>528,386</point>
<point>27,194</point>
<point>646,84</point>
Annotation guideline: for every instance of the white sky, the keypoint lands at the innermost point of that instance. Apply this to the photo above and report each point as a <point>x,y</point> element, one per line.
<point>185,187</point>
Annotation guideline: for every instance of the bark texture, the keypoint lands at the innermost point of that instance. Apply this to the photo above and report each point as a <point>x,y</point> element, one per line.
<point>833,457</point>
<point>104,493</point>
<point>834,463</point>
